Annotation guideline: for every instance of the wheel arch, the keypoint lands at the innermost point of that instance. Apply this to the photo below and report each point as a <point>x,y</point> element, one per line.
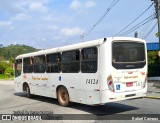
<point>25,84</point>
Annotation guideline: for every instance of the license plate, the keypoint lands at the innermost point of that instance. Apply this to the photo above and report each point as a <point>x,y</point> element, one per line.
<point>129,84</point>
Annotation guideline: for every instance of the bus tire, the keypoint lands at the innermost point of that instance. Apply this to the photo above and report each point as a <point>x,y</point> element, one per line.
<point>27,91</point>
<point>63,96</point>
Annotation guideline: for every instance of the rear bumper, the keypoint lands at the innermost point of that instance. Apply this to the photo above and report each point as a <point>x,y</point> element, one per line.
<point>108,96</point>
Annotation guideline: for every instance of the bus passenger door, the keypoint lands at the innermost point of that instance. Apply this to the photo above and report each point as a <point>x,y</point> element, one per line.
<point>18,77</point>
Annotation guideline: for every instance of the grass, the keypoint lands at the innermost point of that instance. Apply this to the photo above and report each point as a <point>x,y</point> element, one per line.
<point>2,76</point>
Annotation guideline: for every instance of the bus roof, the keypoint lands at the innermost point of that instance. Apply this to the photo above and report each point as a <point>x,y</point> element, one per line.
<point>64,48</point>
<point>76,46</point>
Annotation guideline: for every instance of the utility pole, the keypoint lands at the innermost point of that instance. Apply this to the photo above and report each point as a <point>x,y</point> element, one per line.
<point>157,8</point>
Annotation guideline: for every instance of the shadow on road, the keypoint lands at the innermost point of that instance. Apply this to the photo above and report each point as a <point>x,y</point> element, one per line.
<point>108,109</point>
<point>101,110</point>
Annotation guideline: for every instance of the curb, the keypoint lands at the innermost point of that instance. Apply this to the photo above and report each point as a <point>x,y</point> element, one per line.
<point>152,97</point>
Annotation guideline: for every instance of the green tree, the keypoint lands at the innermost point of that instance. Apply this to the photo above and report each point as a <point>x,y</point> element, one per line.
<point>1,58</point>
<point>3,67</point>
<point>9,72</point>
<point>152,57</point>
<point>11,51</point>
<point>157,34</point>
<point>153,63</point>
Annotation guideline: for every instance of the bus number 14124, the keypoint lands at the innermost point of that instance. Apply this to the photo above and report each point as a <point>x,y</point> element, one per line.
<point>91,81</point>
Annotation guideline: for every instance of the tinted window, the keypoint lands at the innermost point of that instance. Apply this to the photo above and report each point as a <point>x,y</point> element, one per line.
<point>39,64</point>
<point>127,55</point>
<point>28,65</point>
<point>53,63</point>
<point>18,67</point>
<point>128,52</point>
<point>70,62</point>
<point>89,60</point>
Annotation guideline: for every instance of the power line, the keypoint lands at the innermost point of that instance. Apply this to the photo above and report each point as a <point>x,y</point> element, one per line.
<point>102,17</point>
<point>139,24</point>
<point>150,31</point>
<point>136,27</point>
<point>146,28</point>
<point>134,20</point>
<point>106,12</point>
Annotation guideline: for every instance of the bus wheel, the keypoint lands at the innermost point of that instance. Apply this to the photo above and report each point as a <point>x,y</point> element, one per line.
<point>27,90</point>
<point>63,96</point>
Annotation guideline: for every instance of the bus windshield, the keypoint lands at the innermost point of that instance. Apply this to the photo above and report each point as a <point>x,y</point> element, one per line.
<point>128,54</point>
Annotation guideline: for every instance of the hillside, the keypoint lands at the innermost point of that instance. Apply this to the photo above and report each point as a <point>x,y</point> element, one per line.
<point>11,51</point>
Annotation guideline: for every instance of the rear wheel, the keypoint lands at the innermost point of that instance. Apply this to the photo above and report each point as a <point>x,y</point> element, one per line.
<point>63,96</point>
<point>27,91</point>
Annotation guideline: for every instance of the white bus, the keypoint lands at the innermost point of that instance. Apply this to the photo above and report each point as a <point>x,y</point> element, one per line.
<point>92,73</point>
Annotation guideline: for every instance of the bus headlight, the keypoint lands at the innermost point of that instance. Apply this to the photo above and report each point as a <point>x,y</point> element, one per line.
<point>110,83</point>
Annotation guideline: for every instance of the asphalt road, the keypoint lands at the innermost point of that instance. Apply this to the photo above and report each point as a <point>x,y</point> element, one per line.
<point>11,102</point>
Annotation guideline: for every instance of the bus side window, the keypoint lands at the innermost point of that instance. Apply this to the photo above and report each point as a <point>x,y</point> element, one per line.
<point>28,65</point>
<point>89,60</point>
<point>70,61</point>
<point>39,64</point>
<point>18,67</point>
<point>53,62</point>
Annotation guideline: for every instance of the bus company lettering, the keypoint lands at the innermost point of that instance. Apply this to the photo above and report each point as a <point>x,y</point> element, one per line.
<point>38,78</point>
<point>130,77</point>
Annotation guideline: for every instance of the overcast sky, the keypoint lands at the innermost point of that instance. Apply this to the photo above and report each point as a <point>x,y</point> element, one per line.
<point>52,23</point>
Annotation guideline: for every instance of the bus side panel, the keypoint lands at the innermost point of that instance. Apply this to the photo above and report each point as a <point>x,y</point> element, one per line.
<point>93,97</point>
<point>105,66</point>
<point>87,88</point>
<point>82,87</point>
<point>50,88</point>
<point>17,84</point>
<point>27,78</point>
<point>68,80</point>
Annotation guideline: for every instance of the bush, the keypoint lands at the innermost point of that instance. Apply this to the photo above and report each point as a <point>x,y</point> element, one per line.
<point>3,67</point>
<point>153,64</point>
<point>9,72</point>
